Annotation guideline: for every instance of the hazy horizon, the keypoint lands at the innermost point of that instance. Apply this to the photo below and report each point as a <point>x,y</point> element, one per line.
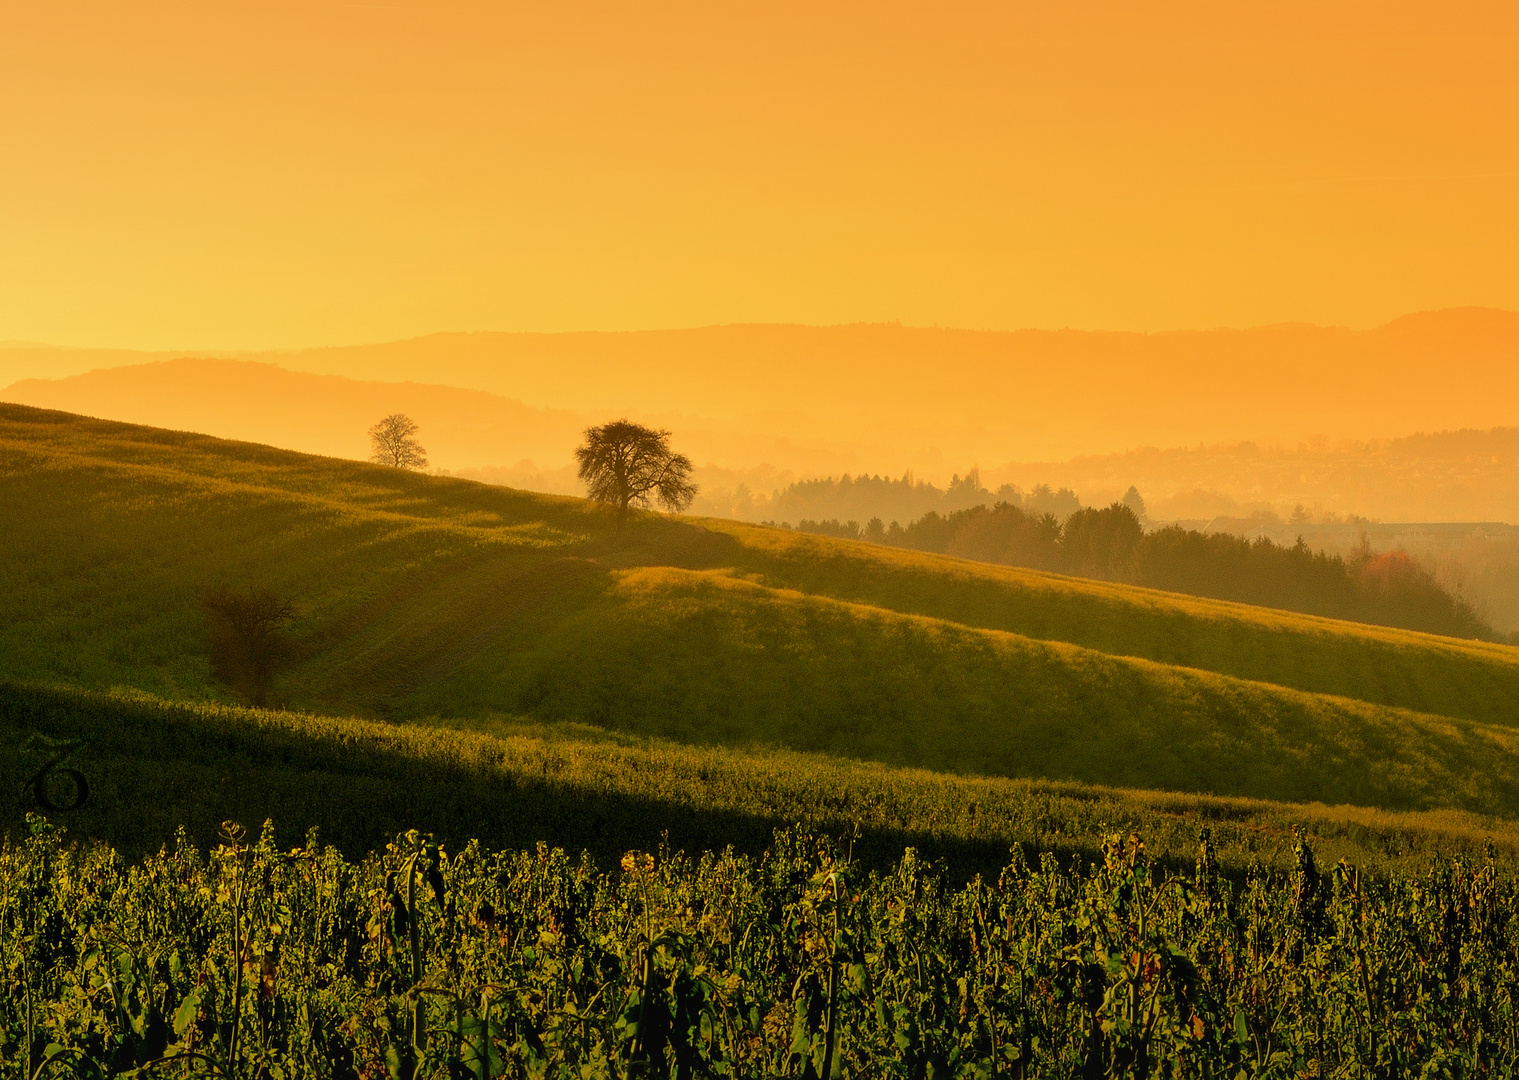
<point>247,349</point>
<point>533,394</point>
<point>888,397</point>
<point>226,349</point>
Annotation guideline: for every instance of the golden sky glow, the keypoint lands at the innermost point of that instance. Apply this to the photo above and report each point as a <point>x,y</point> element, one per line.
<point>244,174</point>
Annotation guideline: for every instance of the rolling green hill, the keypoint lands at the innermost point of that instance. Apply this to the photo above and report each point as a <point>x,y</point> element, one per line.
<point>155,766</point>
<point>427,598</point>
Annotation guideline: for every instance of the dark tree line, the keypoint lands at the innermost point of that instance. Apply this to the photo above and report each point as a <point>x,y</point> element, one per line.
<point>1388,589</point>
<point>864,497</point>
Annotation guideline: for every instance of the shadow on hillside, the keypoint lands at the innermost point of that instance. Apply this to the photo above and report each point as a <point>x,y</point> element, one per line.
<point>154,767</point>
<point>431,626</point>
<point>660,540</point>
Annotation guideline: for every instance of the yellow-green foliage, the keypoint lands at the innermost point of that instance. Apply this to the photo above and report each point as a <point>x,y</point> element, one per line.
<point>153,765</point>
<point>433,597</point>
<point>431,960</point>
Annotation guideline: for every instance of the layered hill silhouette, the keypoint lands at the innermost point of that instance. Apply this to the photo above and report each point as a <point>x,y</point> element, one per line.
<point>935,400</point>
<point>319,414</point>
<point>1438,476</point>
<point>1432,476</point>
<point>330,414</point>
<point>437,600</point>
<point>992,396</point>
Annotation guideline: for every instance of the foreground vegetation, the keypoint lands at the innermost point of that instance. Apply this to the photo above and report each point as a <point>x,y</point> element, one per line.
<point>425,961</point>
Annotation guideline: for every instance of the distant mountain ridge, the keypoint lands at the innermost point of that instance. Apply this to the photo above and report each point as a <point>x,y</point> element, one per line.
<point>462,430</point>
<point>317,414</point>
<point>937,400</point>
<point>1462,475</point>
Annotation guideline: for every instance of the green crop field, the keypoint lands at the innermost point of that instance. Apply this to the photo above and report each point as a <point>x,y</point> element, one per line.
<point>426,960</point>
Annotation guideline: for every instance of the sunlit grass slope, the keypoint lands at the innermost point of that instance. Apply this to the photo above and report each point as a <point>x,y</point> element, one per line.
<point>1380,664</point>
<point>432,597</point>
<point>703,657</point>
<point>155,765</point>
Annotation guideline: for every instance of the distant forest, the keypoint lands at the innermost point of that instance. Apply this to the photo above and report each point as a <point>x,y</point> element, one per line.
<point>864,497</point>
<point>1388,589</point>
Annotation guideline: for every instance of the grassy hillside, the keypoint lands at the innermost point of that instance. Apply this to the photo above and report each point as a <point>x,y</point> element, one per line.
<point>428,597</point>
<point>1475,680</point>
<point>821,675</point>
<point>154,765</point>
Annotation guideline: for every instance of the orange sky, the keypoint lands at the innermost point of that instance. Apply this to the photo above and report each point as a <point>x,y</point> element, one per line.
<point>261,173</point>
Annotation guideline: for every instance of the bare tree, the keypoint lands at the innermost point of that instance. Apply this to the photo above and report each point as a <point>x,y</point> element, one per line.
<point>393,443</point>
<point>248,644</point>
<point>625,464</point>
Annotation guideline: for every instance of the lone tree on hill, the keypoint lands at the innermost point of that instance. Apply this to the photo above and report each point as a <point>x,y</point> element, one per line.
<point>624,463</point>
<point>247,638</point>
<point>394,445</point>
